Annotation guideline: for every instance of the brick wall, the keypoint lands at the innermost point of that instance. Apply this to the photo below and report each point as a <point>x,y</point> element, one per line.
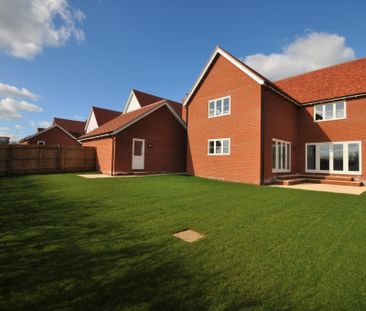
<point>280,122</point>
<point>349,129</point>
<point>242,126</point>
<point>103,149</point>
<point>165,143</point>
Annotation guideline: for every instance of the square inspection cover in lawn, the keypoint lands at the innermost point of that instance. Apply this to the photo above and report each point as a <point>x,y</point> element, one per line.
<point>189,235</point>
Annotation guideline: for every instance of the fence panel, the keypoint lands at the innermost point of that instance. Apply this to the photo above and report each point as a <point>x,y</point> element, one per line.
<point>33,159</point>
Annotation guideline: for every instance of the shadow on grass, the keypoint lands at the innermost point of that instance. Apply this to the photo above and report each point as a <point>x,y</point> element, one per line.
<point>56,253</point>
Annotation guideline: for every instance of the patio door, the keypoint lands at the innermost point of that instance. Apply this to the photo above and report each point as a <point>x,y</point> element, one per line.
<point>138,154</point>
<point>334,158</point>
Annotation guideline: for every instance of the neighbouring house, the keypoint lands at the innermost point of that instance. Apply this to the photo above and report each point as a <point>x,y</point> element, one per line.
<point>4,140</point>
<point>61,132</point>
<point>98,116</point>
<point>243,127</point>
<point>149,136</point>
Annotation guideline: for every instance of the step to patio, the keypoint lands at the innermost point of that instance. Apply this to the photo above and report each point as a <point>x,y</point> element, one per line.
<point>322,177</point>
<point>335,182</point>
<point>289,182</point>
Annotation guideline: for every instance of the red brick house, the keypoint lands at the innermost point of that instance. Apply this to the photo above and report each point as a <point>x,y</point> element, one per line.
<point>149,136</point>
<point>61,132</point>
<point>243,127</point>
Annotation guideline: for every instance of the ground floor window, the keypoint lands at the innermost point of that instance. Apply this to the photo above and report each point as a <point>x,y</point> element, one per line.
<point>333,157</point>
<point>219,146</point>
<point>281,156</point>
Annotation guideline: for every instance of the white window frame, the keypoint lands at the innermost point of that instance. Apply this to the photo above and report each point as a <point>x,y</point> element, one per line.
<point>334,104</point>
<point>278,161</point>
<point>331,169</point>
<point>215,115</point>
<point>41,143</point>
<point>222,144</point>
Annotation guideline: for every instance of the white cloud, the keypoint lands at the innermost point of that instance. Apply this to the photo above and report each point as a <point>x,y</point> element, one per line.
<point>10,108</point>
<point>27,26</point>
<point>7,90</point>
<point>42,124</point>
<point>78,117</point>
<point>310,52</point>
<point>18,127</point>
<point>4,129</point>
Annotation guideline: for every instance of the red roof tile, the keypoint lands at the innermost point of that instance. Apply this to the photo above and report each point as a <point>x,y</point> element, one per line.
<point>336,81</point>
<point>126,118</point>
<point>104,115</point>
<point>75,128</point>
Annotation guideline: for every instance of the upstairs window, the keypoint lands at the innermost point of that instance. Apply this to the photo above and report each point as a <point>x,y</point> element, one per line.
<point>219,107</point>
<point>219,146</point>
<point>41,142</point>
<point>331,111</point>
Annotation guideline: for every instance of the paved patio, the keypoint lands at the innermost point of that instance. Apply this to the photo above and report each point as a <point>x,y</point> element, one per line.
<point>326,188</point>
<point>97,176</point>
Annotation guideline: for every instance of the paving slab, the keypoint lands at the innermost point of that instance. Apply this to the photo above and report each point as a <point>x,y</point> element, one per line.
<point>325,188</point>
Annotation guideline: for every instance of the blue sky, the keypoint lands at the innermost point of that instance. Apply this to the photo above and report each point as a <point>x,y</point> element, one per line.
<point>158,46</point>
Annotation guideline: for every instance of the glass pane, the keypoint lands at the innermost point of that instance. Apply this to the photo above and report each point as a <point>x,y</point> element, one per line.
<point>318,112</point>
<point>218,147</point>
<point>328,112</point>
<point>137,151</point>
<point>338,157</point>
<point>212,109</point>
<point>311,157</point>
<point>283,156</point>
<point>324,157</point>
<point>273,154</point>
<point>288,156</point>
<point>353,157</point>
<point>226,105</point>
<point>219,107</point>
<point>340,110</point>
<point>225,146</point>
<point>211,147</point>
<point>279,152</point>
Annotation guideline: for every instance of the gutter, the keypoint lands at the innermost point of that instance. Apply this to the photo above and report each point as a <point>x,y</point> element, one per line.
<point>333,99</point>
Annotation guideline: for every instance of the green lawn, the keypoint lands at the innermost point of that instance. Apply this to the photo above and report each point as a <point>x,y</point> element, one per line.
<point>72,243</point>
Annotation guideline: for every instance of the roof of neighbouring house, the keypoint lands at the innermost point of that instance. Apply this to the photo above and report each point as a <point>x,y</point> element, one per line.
<point>336,81</point>
<point>124,120</point>
<point>146,99</point>
<point>75,128</point>
<point>103,115</point>
<point>55,125</point>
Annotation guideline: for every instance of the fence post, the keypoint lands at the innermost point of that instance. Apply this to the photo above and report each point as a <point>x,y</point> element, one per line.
<point>58,159</point>
<point>8,162</point>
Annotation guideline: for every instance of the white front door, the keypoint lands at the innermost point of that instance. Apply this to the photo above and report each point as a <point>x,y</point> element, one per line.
<point>138,154</point>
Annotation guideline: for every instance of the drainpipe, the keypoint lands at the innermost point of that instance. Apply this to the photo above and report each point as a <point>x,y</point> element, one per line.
<point>113,154</point>
<point>262,116</point>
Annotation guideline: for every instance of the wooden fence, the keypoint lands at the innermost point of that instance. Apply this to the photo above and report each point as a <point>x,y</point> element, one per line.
<point>33,159</point>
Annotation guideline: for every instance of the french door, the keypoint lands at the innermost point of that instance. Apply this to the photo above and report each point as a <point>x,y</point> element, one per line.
<point>333,158</point>
<point>281,156</point>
